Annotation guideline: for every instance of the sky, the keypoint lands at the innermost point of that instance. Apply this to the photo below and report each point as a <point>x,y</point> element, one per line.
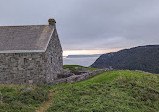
<point>89,26</point>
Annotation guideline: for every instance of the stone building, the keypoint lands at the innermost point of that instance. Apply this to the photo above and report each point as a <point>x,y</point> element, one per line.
<point>30,54</point>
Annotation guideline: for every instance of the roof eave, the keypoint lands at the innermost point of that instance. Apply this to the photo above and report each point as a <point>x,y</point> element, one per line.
<point>22,51</point>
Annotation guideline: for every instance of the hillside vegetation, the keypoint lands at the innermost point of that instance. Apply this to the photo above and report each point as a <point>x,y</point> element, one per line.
<point>144,58</point>
<point>112,91</point>
<point>20,98</point>
<point>78,68</point>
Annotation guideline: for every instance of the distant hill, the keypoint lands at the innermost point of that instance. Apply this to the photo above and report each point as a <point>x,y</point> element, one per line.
<point>145,58</point>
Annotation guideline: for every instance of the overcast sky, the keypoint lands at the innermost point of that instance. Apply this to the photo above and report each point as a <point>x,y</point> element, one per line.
<point>89,24</point>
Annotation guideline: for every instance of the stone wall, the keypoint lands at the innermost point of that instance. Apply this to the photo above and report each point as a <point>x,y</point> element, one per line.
<point>54,58</point>
<point>37,68</point>
<point>21,68</point>
<point>78,78</point>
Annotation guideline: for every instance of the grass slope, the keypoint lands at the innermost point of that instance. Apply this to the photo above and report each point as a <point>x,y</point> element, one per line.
<point>73,67</point>
<point>112,91</point>
<point>15,98</point>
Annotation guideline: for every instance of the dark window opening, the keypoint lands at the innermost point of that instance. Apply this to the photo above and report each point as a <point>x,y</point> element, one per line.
<point>25,60</point>
<point>51,59</point>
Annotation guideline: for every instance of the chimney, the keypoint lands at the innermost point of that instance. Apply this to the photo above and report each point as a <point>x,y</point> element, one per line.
<point>52,22</point>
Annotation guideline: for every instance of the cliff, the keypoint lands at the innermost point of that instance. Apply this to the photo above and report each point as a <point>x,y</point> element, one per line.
<point>145,58</point>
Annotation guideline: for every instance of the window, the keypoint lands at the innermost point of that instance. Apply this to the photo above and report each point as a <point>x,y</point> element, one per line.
<point>51,59</point>
<point>25,60</point>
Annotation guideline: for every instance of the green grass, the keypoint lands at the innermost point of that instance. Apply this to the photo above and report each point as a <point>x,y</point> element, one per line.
<point>112,91</point>
<point>73,67</point>
<point>15,98</point>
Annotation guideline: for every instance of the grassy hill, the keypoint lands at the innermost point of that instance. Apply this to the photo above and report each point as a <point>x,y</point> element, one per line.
<point>112,91</point>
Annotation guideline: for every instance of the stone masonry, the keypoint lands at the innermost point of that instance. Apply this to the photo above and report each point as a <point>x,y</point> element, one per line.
<point>32,67</point>
<point>78,78</point>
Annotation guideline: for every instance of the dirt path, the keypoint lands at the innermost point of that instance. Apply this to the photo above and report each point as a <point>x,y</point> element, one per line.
<point>44,106</point>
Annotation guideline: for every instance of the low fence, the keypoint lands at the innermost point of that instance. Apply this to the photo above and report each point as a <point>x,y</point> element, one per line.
<point>78,78</point>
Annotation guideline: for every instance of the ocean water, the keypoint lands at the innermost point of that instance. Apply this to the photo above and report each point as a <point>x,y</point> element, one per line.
<point>84,61</point>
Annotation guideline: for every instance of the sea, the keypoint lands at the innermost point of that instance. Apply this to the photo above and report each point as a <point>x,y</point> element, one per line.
<point>83,60</point>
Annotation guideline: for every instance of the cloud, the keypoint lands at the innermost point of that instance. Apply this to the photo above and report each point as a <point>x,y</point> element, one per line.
<point>85,24</point>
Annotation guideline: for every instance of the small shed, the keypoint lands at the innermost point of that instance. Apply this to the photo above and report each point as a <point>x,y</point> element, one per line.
<point>30,54</point>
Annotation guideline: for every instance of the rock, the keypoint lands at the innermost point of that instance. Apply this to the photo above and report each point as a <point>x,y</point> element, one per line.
<point>27,89</point>
<point>78,72</point>
<point>66,73</point>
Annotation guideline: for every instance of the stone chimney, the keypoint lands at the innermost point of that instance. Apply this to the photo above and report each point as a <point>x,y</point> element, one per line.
<point>52,22</point>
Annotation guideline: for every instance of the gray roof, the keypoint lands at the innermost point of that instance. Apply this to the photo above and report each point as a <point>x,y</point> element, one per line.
<point>16,39</point>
